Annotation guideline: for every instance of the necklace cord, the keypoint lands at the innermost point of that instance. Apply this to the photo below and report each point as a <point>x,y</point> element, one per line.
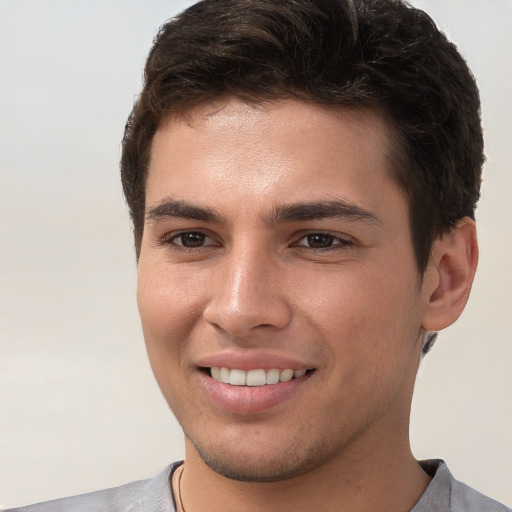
<point>182,508</point>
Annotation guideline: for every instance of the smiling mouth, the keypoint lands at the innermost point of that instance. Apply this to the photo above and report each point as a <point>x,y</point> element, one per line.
<point>255,378</point>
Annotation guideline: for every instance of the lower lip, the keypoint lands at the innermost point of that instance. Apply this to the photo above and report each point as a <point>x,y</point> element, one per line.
<point>248,399</point>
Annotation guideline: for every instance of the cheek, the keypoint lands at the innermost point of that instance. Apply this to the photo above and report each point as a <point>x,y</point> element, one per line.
<point>368,326</point>
<point>168,297</point>
<point>170,304</point>
<point>353,295</point>
<point>366,316</point>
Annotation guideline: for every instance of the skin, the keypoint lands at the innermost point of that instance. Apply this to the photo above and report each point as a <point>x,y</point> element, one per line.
<point>338,294</point>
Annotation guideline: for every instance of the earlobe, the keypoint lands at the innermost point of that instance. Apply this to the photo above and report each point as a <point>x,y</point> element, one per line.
<point>449,276</point>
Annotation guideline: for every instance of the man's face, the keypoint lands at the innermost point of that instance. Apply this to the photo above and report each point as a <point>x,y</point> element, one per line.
<point>277,242</point>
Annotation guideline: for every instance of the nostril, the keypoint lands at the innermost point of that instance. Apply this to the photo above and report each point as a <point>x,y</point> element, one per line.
<point>241,322</point>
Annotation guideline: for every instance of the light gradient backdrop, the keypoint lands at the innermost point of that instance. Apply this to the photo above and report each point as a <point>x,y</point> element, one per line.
<point>78,406</point>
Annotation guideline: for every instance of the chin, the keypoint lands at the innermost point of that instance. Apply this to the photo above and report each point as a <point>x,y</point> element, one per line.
<point>266,466</point>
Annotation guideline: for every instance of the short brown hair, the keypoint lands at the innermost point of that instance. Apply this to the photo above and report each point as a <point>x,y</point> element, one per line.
<point>381,54</point>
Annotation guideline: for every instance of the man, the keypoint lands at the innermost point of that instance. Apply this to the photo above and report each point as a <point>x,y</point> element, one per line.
<point>302,178</point>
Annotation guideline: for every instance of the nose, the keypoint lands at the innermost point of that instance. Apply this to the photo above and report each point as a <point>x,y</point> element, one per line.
<point>249,294</point>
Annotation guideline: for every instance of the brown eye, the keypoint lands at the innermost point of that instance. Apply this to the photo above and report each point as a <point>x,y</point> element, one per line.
<point>320,240</point>
<point>190,239</point>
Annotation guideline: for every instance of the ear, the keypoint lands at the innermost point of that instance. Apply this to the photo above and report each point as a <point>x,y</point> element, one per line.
<point>449,275</point>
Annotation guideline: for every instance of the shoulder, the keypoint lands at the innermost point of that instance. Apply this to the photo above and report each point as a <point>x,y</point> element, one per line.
<point>470,500</point>
<point>445,494</point>
<point>141,496</point>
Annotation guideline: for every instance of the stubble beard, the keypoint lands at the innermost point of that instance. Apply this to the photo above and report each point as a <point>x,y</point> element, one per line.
<point>296,461</point>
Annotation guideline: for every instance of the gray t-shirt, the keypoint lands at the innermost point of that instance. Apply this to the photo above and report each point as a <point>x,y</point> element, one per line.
<point>444,494</point>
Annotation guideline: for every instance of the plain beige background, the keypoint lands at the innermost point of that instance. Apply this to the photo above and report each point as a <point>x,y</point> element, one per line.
<point>78,406</point>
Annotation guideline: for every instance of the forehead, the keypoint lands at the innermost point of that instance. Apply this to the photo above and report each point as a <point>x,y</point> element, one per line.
<point>286,148</point>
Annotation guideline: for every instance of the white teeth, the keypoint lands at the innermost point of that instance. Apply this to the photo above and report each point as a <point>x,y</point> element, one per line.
<point>237,377</point>
<point>224,375</point>
<point>216,373</point>
<point>254,378</point>
<point>299,373</point>
<point>286,375</point>
<point>273,376</point>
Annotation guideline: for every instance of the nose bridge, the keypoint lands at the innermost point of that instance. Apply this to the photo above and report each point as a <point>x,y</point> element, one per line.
<point>247,275</point>
<point>248,291</point>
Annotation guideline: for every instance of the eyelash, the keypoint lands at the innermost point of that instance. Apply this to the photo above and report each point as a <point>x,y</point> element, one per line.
<point>336,242</point>
<point>170,240</point>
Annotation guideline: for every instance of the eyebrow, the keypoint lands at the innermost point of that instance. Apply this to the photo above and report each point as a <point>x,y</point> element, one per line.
<point>182,209</point>
<point>321,210</point>
<point>295,212</point>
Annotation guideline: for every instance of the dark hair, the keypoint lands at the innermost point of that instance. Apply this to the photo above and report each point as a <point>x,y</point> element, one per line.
<point>381,54</point>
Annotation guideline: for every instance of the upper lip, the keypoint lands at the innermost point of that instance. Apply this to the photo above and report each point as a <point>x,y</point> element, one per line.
<point>251,360</point>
